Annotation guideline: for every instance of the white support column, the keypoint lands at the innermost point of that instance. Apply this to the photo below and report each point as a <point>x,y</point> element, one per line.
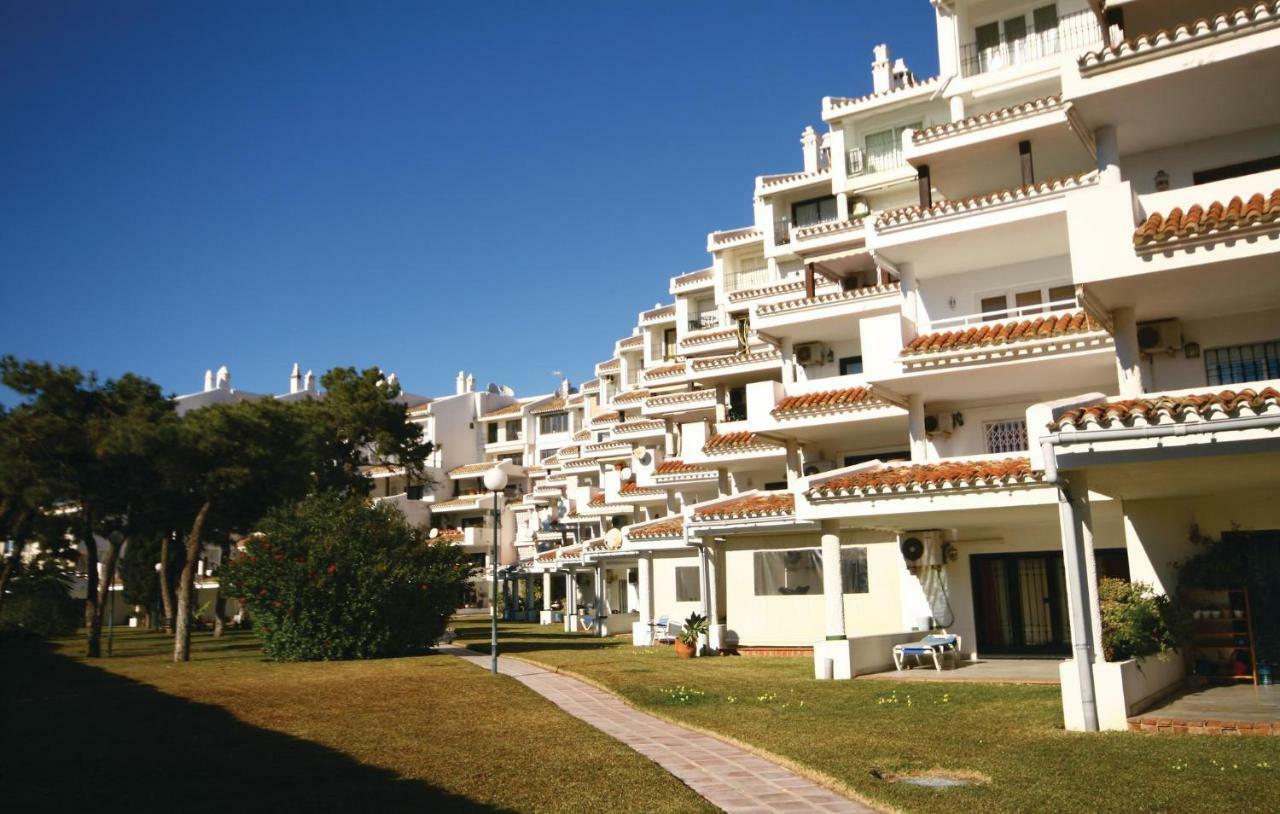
<point>641,631</point>
<point>1079,699</point>
<point>794,470</point>
<point>601,624</point>
<point>704,574</point>
<point>1108,147</point>
<point>910,298</point>
<point>957,108</point>
<point>834,655</point>
<point>715,630</point>
<point>788,361</point>
<point>545,615</point>
<point>570,602</point>
<point>915,428</point>
<point>1128,357</point>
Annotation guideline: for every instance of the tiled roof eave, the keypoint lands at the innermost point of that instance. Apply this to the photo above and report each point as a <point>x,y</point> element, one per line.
<point>995,118</point>
<point>1223,408</point>
<point>997,351</point>
<point>944,211</point>
<point>824,300</point>
<point>1242,21</point>
<point>922,490</point>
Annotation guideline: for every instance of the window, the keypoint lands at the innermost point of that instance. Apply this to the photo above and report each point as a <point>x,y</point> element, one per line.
<point>788,573</point>
<point>1243,363</point>
<point>553,422</point>
<point>987,36</point>
<point>1015,28</point>
<point>737,404</point>
<point>1045,18</point>
<point>995,306</point>
<point>513,430</point>
<point>688,583</point>
<point>492,433</point>
<point>668,344</point>
<point>1026,299</point>
<point>1024,303</point>
<point>1236,170</point>
<point>414,492</point>
<point>810,213</point>
<point>897,455</point>
<point>546,453</point>
<point>850,365</point>
<point>853,570</point>
<point>1009,435</point>
<point>884,149</point>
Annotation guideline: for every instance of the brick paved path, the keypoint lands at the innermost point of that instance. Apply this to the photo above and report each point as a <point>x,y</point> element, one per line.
<point>730,778</point>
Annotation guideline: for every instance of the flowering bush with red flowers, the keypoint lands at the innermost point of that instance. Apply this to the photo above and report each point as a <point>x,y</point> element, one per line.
<point>335,578</point>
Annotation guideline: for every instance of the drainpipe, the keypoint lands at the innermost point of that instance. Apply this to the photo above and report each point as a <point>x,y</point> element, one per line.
<point>1077,589</point>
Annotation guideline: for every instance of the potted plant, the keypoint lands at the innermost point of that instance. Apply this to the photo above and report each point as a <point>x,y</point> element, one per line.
<point>687,640</point>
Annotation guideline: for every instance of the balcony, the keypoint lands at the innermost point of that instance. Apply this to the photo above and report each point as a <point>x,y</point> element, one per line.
<point>1073,32</point>
<point>690,401</point>
<point>861,162</point>
<point>748,279</point>
<point>825,410</point>
<point>704,321</point>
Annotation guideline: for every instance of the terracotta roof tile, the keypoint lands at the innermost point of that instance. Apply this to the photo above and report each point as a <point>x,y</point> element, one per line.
<point>827,401</point>
<point>907,215</point>
<point>801,303</point>
<point>583,435</point>
<point>777,504</point>
<point>609,365</point>
<point>702,276</point>
<point>912,478</point>
<point>666,527</point>
<point>631,342</point>
<point>634,490</point>
<point>604,418</point>
<point>837,104</point>
<point>1252,17</point>
<point>636,426</point>
<point>707,337</point>
<point>510,409</point>
<point>630,396</point>
<point>675,466</point>
<point>665,371</point>
<point>990,119</point>
<point>1000,333</point>
<point>475,470</point>
<point>661,312</point>
<point>467,502</point>
<point>551,406</point>
<point>1217,217</point>
<point>729,237</point>
<point>749,358</point>
<point>1171,409</point>
<point>731,442</point>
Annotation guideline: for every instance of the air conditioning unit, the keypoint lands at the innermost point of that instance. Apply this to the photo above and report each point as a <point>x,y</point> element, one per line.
<point>939,424</point>
<point>858,207</point>
<point>922,549</point>
<point>1164,335</point>
<point>810,353</point>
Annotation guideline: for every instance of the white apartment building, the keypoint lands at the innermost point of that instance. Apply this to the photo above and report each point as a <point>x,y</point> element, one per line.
<point>1018,320</point>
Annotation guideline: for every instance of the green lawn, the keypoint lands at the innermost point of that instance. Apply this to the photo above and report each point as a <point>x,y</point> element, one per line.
<point>848,731</point>
<point>230,732</point>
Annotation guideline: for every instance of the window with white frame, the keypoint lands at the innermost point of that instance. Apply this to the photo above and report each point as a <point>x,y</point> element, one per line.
<point>688,583</point>
<point>884,148</point>
<point>1243,363</point>
<point>1007,435</point>
<point>553,422</point>
<point>853,570</point>
<point>513,430</point>
<point>546,453</point>
<point>788,573</point>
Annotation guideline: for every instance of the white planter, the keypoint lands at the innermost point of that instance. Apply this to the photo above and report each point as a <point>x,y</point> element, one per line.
<point>1122,689</point>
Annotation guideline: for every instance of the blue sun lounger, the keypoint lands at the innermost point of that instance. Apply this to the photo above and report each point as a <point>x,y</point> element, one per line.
<point>936,646</point>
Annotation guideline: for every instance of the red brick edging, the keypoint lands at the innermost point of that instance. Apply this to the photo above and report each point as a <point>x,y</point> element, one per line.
<point>1202,726</point>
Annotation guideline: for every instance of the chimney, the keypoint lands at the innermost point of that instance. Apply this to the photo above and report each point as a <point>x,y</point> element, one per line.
<point>471,383</point>
<point>309,383</point>
<point>393,379</point>
<point>809,145</point>
<point>460,384</point>
<point>208,380</point>
<point>902,76</point>
<point>881,70</point>
<point>295,379</point>
<point>224,378</point>
<point>564,388</point>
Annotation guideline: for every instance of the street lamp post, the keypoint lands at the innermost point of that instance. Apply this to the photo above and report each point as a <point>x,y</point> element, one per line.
<point>495,480</point>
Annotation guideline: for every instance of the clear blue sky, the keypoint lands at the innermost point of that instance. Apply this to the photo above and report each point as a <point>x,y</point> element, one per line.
<point>423,186</point>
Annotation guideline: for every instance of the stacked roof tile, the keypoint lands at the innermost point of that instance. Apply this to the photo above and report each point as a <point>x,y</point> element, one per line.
<point>665,371</point>
<point>510,409</point>
<point>994,117</point>
<point>912,478</point>
<point>731,442</point>
<point>779,504</point>
<point>675,466</point>
<point>1000,333</point>
<point>1171,409</point>
<point>827,401</point>
<point>912,214</point>
<point>1213,219</point>
<point>549,406</point>
<point>1252,17</point>
<point>668,527</point>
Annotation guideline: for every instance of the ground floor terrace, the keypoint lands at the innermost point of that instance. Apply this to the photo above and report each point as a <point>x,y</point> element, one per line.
<point>1004,736</point>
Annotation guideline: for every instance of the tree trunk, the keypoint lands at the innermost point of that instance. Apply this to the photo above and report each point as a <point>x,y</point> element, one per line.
<point>187,587</point>
<point>16,532</point>
<point>219,598</point>
<point>108,578</point>
<point>92,620</point>
<point>166,585</point>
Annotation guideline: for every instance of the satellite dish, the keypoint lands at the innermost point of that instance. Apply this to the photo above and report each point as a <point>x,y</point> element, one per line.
<point>493,389</point>
<point>626,474</point>
<point>506,391</point>
<point>638,453</point>
<point>912,549</point>
<point>434,533</point>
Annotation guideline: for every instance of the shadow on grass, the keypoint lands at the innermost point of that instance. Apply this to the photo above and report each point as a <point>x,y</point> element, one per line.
<point>73,735</point>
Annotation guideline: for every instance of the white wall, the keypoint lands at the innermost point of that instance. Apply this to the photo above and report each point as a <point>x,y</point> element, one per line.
<point>1166,372</point>
<point>664,586</point>
<point>1181,161</point>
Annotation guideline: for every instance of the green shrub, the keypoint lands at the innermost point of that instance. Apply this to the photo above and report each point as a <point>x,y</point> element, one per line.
<point>40,603</point>
<point>334,578</point>
<point>1137,622</point>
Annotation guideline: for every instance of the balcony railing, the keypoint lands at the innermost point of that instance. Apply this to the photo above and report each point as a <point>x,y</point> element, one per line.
<point>750,278</point>
<point>704,321</point>
<point>781,232</point>
<point>1079,30</point>
<point>863,162</point>
<point>968,320</point>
